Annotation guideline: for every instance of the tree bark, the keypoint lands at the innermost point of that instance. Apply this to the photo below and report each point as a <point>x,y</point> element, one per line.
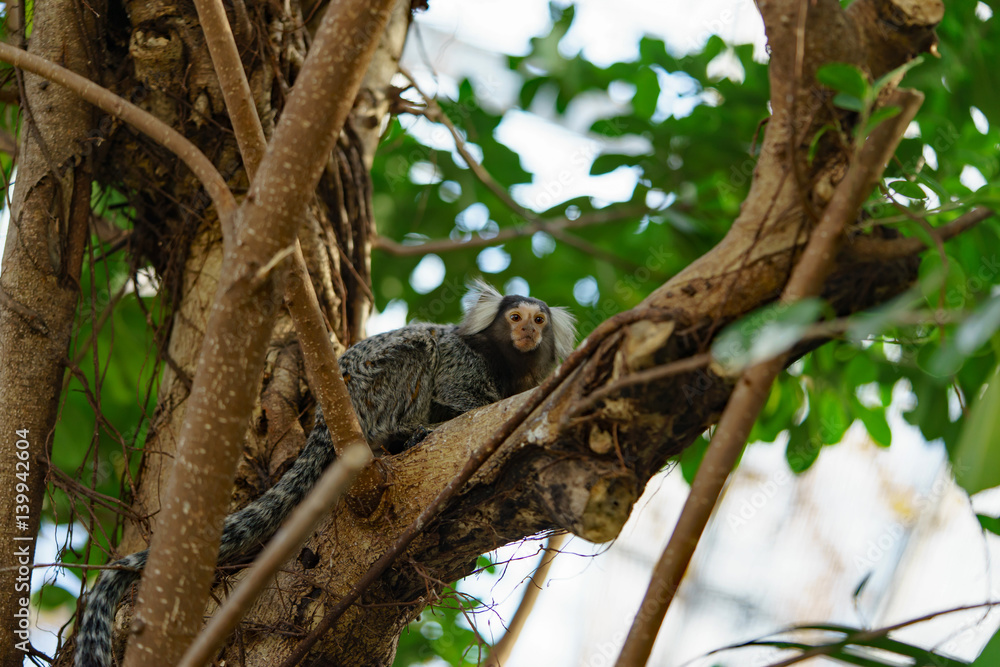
<point>39,290</point>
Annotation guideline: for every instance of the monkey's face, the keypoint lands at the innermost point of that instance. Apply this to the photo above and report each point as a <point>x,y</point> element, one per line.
<point>527,322</point>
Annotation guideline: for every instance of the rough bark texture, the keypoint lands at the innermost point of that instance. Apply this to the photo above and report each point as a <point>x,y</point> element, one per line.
<point>560,470</point>
<point>39,291</point>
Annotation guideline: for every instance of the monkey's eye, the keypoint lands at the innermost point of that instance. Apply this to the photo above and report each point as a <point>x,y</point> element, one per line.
<point>514,317</point>
<point>539,319</point>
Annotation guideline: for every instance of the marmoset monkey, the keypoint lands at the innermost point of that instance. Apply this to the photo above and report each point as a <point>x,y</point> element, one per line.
<point>400,382</point>
<point>406,380</point>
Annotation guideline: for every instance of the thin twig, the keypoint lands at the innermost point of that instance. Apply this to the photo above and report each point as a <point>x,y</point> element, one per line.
<point>434,112</point>
<point>867,248</point>
<point>145,122</point>
<point>502,649</point>
<point>508,233</point>
<point>677,367</point>
<point>293,533</point>
<point>869,635</point>
<point>594,251</point>
<point>8,143</point>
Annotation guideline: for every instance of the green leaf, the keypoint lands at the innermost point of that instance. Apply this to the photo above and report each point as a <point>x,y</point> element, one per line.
<point>990,657</point>
<point>881,82</point>
<point>848,102</point>
<point>608,162</point>
<point>485,564</point>
<point>832,419</point>
<point>881,115</point>
<point>691,458</point>
<point>52,597</point>
<point>844,78</point>
<point>969,337</point>
<point>976,458</point>
<point>766,333</point>
<point>647,92</point>
<point>908,189</point>
<point>990,523</point>
<point>935,276</point>
<point>803,448</point>
<point>814,144</point>
<point>876,424</point>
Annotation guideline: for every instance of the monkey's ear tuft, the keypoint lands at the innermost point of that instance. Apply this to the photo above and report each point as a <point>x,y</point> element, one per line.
<point>482,304</point>
<point>564,331</point>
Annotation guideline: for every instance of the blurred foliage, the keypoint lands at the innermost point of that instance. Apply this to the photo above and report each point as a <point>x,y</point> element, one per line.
<point>115,376</point>
<point>441,632</point>
<point>853,646</point>
<point>689,139</point>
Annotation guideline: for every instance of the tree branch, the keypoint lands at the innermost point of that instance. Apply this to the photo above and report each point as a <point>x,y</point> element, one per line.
<point>318,352</point>
<point>145,122</point>
<point>752,389</point>
<point>434,113</point>
<point>233,81</point>
<point>451,488</point>
<point>289,539</point>
<point>508,233</point>
<point>870,635</point>
<point>870,249</point>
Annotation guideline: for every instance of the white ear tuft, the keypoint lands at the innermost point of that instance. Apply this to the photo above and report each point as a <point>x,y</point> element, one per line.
<point>563,330</point>
<point>482,303</point>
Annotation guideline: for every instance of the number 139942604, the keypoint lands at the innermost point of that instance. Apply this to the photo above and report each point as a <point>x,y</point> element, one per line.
<point>22,468</point>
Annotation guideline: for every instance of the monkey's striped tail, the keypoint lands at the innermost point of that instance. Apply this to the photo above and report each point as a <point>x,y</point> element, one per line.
<point>244,533</point>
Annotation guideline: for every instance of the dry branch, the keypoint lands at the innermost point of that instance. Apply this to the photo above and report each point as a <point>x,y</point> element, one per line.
<point>39,292</point>
<point>510,233</point>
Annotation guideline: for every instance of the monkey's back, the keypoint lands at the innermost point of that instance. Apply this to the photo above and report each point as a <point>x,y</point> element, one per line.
<point>414,377</point>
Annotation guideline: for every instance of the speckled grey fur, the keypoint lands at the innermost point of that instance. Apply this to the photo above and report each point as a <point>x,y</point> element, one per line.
<point>400,383</point>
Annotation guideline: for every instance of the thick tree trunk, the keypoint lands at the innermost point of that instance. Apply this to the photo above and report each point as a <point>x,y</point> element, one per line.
<point>38,295</point>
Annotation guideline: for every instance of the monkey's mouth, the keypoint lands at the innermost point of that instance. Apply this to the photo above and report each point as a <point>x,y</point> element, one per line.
<point>525,343</point>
